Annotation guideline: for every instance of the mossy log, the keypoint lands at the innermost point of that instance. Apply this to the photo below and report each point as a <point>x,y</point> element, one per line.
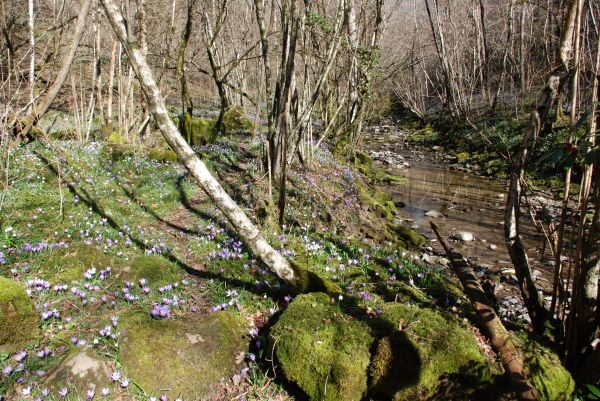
<point>512,361</point>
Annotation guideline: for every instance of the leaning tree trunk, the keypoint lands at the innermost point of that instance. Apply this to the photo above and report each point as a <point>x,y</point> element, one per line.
<point>45,103</point>
<point>512,214</point>
<point>244,227</point>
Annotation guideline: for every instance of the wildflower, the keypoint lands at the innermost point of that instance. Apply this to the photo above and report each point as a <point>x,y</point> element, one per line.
<point>89,395</point>
<point>7,370</point>
<point>63,392</point>
<point>105,391</point>
<point>116,375</point>
<point>20,356</point>
<point>125,382</point>
<point>26,391</point>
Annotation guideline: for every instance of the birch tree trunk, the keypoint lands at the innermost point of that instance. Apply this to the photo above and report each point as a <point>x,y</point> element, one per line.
<point>244,227</point>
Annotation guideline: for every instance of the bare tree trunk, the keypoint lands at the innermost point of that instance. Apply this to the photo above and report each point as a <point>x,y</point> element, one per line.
<point>537,120</point>
<point>45,103</point>
<point>111,83</point>
<point>186,99</point>
<point>31,58</point>
<point>244,227</point>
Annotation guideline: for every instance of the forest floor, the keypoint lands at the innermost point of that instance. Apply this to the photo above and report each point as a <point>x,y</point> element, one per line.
<point>96,237</point>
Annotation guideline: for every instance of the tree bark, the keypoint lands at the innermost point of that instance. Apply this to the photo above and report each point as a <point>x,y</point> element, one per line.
<point>244,227</point>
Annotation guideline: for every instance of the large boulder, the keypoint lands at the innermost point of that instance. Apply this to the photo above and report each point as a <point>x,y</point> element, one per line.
<point>322,350</point>
<point>19,322</point>
<point>186,357</point>
<point>421,347</point>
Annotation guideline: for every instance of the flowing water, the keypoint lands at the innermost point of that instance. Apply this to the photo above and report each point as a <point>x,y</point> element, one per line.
<point>466,202</point>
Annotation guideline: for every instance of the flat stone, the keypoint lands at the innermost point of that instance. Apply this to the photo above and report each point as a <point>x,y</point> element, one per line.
<point>84,370</point>
<point>464,236</point>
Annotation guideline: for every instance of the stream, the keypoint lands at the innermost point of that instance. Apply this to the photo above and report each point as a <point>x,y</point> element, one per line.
<point>462,204</point>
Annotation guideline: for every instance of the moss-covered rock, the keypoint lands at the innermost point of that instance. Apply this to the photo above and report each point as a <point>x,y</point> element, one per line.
<point>18,319</point>
<point>83,370</point>
<point>163,155</point>
<point>388,178</point>
<point>552,381</point>
<point>423,346</point>
<point>197,131</point>
<point>407,234</point>
<point>235,119</point>
<point>186,357</point>
<point>117,147</point>
<point>321,349</point>
<point>154,268</point>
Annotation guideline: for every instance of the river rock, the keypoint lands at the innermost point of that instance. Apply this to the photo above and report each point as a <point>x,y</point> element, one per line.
<point>493,247</point>
<point>433,213</point>
<point>463,236</point>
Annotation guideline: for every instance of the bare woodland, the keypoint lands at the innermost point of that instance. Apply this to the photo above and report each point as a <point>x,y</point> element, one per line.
<point>317,73</point>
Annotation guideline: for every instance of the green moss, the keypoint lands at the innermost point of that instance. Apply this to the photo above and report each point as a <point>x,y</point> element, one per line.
<point>407,234</point>
<point>197,131</point>
<point>463,157</point>
<point>552,381</point>
<point>363,163</point>
<point>235,119</point>
<point>424,346</point>
<point>69,264</point>
<point>384,176</point>
<point>186,357</point>
<point>321,349</point>
<point>154,268</point>
<point>163,155</point>
<point>308,281</point>
<point>18,319</point>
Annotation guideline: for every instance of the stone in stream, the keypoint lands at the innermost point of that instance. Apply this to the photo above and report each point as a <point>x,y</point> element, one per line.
<point>433,213</point>
<point>463,236</point>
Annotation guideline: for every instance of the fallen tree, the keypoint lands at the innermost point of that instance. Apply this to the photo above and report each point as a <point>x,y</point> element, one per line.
<point>499,337</point>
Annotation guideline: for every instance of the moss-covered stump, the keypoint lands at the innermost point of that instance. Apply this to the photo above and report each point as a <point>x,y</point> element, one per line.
<point>154,268</point>
<point>82,370</point>
<point>423,346</point>
<point>184,358</point>
<point>235,119</point>
<point>552,381</point>
<point>18,319</point>
<point>322,349</point>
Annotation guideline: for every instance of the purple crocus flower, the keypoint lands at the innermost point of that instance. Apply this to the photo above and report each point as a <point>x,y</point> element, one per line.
<point>63,392</point>
<point>89,395</point>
